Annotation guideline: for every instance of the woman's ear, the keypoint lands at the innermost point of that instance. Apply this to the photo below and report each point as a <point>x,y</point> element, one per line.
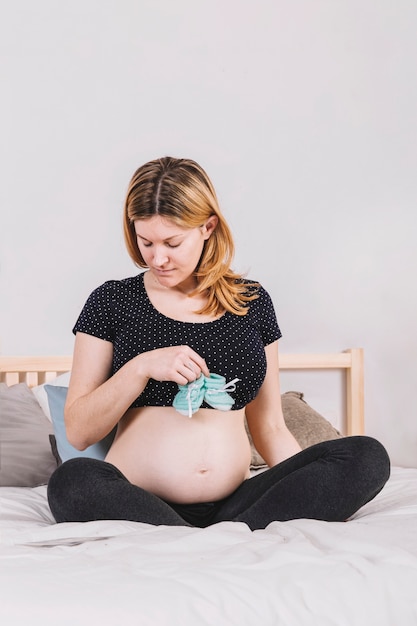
<point>209,226</point>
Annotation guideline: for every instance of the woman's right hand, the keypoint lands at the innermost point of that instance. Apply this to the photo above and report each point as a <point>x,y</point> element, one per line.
<point>179,364</point>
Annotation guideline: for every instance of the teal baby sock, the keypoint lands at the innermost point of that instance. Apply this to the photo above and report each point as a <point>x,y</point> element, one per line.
<point>216,392</point>
<point>189,397</point>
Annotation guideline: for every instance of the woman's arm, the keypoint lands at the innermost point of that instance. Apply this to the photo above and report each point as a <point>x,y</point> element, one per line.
<point>269,432</point>
<point>96,401</point>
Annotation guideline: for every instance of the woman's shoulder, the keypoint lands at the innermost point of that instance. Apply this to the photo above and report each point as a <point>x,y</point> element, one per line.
<point>115,294</point>
<point>261,304</point>
<point>254,288</point>
<point>113,287</point>
<point>261,313</point>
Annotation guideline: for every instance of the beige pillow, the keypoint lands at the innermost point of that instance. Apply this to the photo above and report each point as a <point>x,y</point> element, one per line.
<point>26,459</point>
<point>307,426</point>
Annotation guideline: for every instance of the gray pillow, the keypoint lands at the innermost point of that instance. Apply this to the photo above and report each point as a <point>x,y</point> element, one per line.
<point>26,459</point>
<point>307,426</point>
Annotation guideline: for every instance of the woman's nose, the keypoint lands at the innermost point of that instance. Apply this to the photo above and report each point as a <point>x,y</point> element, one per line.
<point>160,257</point>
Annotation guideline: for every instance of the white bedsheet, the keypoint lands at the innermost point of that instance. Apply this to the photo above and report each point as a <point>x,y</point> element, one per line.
<point>302,572</point>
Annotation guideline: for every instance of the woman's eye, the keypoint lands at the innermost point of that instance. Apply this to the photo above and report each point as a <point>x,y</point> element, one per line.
<point>169,245</point>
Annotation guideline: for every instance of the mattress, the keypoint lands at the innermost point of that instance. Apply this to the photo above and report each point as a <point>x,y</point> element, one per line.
<point>295,573</point>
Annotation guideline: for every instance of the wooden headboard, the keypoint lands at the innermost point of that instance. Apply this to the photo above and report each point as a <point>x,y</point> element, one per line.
<point>41,369</point>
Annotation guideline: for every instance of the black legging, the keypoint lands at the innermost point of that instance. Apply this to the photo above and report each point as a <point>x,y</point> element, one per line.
<point>329,481</point>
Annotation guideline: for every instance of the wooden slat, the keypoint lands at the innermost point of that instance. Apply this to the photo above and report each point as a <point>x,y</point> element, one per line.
<point>35,363</point>
<point>355,394</point>
<point>10,378</point>
<point>315,361</point>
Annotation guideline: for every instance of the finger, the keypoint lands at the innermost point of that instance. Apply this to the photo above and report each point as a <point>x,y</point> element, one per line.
<point>192,360</point>
<point>195,368</point>
<point>202,367</point>
<point>189,371</point>
<point>198,362</point>
<point>181,380</point>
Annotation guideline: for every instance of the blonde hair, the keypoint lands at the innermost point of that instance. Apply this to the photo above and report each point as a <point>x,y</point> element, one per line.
<point>180,190</point>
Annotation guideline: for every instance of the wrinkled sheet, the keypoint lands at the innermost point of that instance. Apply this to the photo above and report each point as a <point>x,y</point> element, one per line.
<point>302,572</point>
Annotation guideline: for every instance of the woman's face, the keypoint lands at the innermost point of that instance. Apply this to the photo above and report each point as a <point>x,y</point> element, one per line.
<point>171,252</point>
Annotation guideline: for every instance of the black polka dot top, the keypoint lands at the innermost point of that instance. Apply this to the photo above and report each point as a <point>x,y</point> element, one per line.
<point>232,346</point>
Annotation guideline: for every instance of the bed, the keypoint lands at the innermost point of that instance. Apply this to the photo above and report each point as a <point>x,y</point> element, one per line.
<point>296,573</point>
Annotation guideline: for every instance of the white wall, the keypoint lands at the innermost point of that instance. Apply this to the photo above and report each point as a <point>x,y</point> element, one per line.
<point>304,115</point>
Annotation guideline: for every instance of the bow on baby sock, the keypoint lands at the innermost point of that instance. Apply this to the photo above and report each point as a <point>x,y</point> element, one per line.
<point>213,389</point>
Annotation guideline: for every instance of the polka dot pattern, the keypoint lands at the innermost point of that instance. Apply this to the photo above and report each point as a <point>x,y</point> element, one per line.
<point>233,346</point>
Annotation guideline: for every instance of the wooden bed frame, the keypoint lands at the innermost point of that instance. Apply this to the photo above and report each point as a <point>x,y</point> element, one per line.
<point>38,370</point>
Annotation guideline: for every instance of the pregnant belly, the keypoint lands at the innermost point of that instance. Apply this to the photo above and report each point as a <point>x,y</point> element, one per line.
<point>182,460</point>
